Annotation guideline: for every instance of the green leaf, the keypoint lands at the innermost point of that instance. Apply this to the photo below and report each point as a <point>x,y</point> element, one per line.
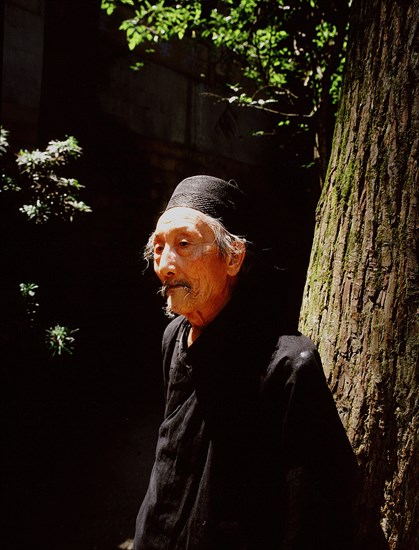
<point>60,339</point>
<point>28,289</point>
<point>278,47</point>
<point>4,143</point>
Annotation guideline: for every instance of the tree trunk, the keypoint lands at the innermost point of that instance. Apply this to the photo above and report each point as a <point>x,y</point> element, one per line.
<point>362,291</point>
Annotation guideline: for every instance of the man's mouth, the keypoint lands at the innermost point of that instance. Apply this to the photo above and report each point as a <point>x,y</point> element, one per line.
<point>167,288</point>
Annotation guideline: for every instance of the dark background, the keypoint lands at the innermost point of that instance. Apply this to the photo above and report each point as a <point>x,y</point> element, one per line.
<point>78,432</point>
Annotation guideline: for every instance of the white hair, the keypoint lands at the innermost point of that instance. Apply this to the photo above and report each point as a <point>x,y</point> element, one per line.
<point>226,242</point>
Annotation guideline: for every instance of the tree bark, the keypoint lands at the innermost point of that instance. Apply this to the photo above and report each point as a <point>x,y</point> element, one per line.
<point>362,292</point>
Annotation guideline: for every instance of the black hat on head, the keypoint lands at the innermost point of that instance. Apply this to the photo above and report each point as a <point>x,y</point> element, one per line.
<point>215,197</point>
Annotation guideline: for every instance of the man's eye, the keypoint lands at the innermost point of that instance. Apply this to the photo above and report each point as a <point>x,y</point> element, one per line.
<point>158,248</point>
<point>183,244</point>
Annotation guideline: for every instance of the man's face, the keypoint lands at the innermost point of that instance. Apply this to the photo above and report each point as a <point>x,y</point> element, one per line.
<point>197,280</point>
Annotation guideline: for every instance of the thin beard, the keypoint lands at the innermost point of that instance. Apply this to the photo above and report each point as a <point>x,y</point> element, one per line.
<point>168,312</point>
<point>163,292</point>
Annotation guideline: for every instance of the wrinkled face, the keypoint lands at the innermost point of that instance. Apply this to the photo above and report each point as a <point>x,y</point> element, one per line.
<point>197,280</point>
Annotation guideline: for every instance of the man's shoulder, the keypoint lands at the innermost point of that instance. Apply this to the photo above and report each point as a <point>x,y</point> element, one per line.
<point>294,354</point>
<point>295,346</point>
<point>295,361</point>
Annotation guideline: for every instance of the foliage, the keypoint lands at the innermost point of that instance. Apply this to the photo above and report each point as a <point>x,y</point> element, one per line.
<point>289,54</point>
<point>6,182</point>
<point>110,5</point>
<point>4,141</point>
<point>51,195</point>
<point>28,294</point>
<point>59,339</point>
<point>48,195</point>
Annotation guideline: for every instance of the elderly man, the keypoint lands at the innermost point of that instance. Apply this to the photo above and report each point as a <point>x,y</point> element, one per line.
<point>251,454</point>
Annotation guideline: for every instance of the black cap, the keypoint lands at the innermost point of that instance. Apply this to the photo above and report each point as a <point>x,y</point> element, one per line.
<point>215,197</point>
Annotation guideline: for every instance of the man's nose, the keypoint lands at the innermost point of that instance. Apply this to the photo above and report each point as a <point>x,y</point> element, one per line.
<point>167,262</point>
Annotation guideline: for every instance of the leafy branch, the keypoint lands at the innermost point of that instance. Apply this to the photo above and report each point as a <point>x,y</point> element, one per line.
<point>49,196</point>
<point>285,58</point>
<point>60,339</point>
<point>275,43</point>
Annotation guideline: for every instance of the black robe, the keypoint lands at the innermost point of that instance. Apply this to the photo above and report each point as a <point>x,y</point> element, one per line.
<point>251,454</point>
